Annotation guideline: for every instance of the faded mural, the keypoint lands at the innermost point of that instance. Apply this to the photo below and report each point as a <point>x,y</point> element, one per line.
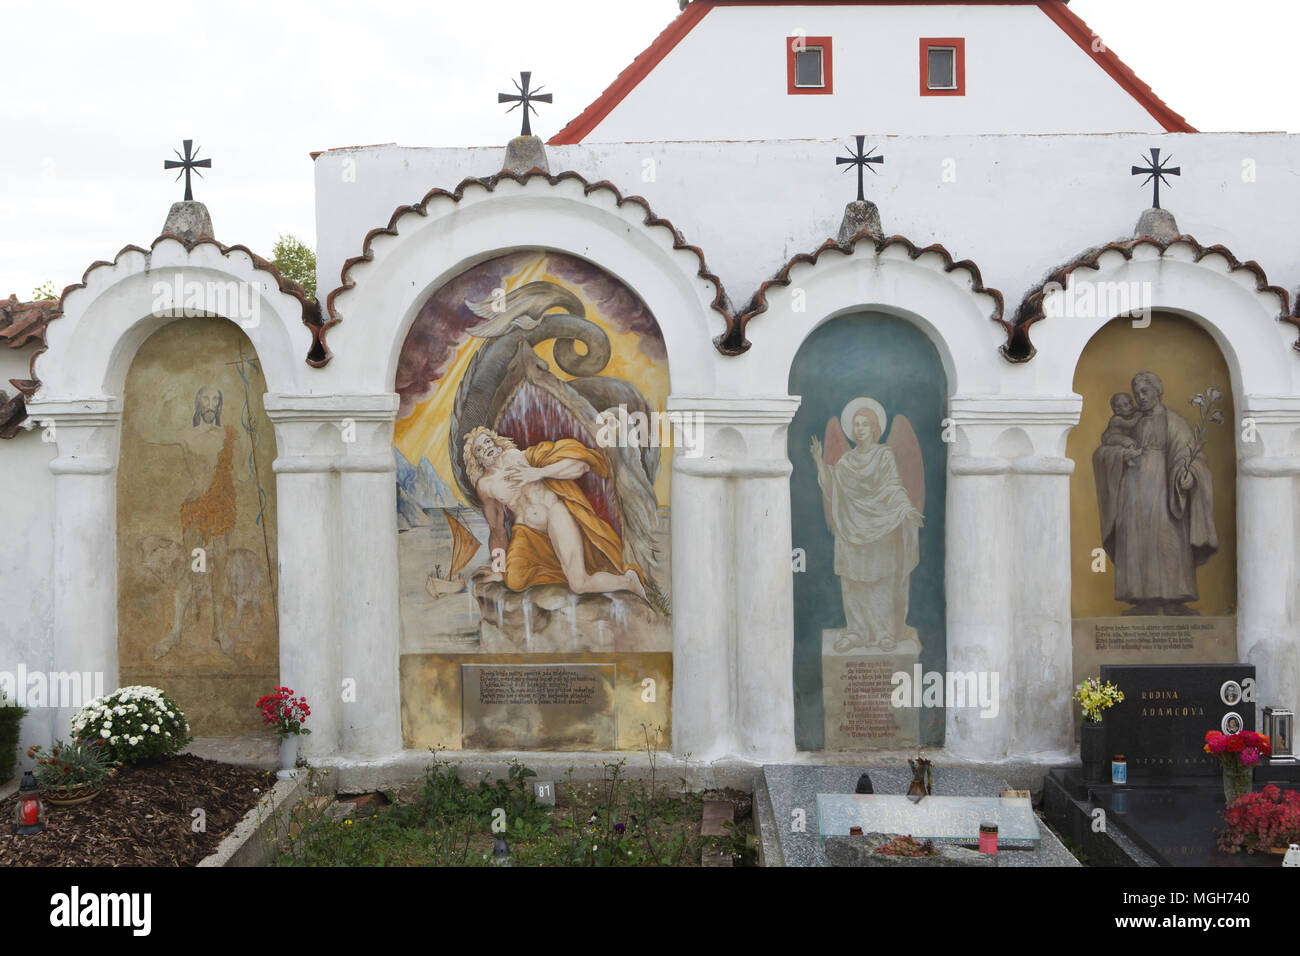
<point>1153,510</point>
<point>868,536</point>
<point>196,526</point>
<point>532,510</point>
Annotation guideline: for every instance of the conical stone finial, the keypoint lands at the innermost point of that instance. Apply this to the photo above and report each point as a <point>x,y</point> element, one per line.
<point>859,215</point>
<point>1158,224</point>
<point>524,154</point>
<point>189,220</point>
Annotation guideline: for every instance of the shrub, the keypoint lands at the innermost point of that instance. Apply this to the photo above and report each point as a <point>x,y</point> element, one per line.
<point>11,716</point>
<point>134,724</point>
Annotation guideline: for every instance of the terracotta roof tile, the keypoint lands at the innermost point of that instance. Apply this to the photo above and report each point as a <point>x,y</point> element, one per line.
<point>1020,349</point>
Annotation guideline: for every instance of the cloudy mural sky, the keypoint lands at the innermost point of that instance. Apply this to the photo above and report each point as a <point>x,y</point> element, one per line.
<point>95,97</point>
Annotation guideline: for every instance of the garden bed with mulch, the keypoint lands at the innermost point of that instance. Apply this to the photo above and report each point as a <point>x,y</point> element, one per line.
<point>144,817</point>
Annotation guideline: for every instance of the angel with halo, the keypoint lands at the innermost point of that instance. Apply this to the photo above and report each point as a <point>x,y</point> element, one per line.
<point>873,494</point>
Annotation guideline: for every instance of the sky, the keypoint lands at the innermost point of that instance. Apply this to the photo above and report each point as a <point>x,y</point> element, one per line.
<point>94,97</point>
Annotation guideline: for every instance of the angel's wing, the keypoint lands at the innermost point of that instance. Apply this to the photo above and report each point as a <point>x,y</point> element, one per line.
<point>836,444</point>
<point>907,454</point>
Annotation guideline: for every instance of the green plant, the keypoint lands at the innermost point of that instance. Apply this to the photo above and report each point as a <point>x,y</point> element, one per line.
<point>134,723</point>
<point>66,765</point>
<point>11,716</point>
<point>294,260</point>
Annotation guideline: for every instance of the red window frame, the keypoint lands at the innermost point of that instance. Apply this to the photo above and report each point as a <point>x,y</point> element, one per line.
<point>958,45</point>
<point>827,75</point>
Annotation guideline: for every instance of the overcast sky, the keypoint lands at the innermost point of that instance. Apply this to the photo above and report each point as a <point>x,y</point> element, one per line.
<point>94,97</point>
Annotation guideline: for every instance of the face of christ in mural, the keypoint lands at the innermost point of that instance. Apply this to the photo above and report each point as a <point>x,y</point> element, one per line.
<point>508,481</point>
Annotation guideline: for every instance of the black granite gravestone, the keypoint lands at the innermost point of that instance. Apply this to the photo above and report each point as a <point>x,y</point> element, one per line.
<point>1161,725</point>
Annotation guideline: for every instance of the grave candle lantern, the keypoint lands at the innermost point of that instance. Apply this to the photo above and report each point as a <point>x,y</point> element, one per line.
<point>30,812</point>
<point>1278,726</point>
<point>989,838</point>
<point>1118,770</point>
<point>501,852</point>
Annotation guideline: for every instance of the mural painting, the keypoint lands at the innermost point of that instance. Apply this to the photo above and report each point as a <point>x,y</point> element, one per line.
<point>1152,499</point>
<point>867,505</point>
<point>532,511</point>
<point>197,611</point>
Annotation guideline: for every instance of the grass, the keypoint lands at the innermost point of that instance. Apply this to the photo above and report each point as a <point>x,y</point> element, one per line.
<point>610,822</point>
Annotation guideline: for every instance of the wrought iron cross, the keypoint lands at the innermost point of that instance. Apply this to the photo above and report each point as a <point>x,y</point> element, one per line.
<point>1156,171</point>
<point>524,98</point>
<point>187,162</point>
<point>859,159</point>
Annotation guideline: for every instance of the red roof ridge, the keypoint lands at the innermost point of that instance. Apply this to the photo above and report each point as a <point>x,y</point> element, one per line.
<point>636,71</point>
<point>1080,33</point>
<point>1056,10</point>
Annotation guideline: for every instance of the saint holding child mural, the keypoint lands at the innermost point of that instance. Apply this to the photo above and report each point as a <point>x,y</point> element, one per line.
<point>1153,499</point>
<point>526,536</point>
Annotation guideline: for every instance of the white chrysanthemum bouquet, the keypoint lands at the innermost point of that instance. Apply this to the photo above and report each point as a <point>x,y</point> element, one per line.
<point>133,724</point>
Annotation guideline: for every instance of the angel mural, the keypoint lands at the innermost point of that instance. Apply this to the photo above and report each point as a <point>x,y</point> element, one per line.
<point>873,495</point>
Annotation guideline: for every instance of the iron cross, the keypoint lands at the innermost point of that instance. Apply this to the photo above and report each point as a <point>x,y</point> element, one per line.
<point>1156,171</point>
<point>524,98</point>
<point>187,163</point>
<point>859,159</point>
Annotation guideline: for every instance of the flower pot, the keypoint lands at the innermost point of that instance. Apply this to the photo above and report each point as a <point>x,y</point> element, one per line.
<point>1092,752</point>
<point>288,756</point>
<point>1238,780</point>
<point>78,793</point>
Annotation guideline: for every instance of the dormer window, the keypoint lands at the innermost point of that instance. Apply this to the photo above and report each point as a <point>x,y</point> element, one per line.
<point>943,66</point>
<point>808,65</point>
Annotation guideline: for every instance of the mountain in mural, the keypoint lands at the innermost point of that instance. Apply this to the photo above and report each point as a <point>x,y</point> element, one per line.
<point>418,489</point>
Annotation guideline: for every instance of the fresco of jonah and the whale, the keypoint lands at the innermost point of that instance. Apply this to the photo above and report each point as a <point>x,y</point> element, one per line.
<point>521,529</point>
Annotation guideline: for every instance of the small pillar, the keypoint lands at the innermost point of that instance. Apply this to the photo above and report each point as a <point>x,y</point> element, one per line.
<point>1157,224</point>
<point>524,154</point>
<point>188,220</point>
<point>859,215</point>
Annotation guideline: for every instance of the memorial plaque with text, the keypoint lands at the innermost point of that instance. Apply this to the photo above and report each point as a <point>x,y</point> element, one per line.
<point>857,690</point>
<point>1167,710</point>
<point>538,707</point>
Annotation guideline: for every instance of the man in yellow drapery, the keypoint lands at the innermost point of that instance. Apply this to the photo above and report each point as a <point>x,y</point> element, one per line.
<point>558,538</point>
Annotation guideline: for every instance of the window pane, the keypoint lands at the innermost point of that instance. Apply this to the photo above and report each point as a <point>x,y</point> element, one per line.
<point>941,68</point>
<point>808,67</point>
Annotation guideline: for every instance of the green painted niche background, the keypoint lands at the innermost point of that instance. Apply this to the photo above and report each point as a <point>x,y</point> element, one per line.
<point>892,361</point>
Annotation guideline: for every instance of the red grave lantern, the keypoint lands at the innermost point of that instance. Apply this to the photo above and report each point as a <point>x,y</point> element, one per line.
<point>30,812</point>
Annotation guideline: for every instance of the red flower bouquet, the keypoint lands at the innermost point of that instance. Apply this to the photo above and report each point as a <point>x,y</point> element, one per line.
<point>1237,750</point>
<point>284,712</point>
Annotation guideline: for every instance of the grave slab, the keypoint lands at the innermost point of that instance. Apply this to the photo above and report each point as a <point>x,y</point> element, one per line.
<point>789,788</point>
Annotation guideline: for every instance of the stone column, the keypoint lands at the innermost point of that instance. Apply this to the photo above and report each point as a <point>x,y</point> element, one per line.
<point>308,440</point>
<point>84,584</point>
<point>733,620</point>
<point>371,625</point>
<point>1008,572</point>
<point>1268,559</point>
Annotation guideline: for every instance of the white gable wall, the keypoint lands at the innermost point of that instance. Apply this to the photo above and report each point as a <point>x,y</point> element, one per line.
<point>1023,75</point>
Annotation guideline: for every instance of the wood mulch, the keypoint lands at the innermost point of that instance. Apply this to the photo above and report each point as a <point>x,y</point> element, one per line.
<point>144,817</point>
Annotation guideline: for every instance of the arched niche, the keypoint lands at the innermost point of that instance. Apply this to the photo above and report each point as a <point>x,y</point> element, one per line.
<point>868,528</point>
<point>1153,497</point>
<point>197,559</point>
<point>534,571</point>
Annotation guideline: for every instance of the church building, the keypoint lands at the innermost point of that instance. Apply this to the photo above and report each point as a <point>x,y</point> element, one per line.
<point>849,378</point>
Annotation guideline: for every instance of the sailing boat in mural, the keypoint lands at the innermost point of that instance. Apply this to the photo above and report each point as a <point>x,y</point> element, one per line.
<point>463,548</point>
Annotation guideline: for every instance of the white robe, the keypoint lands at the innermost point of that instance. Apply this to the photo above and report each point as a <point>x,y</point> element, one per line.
<point>876,547</point>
